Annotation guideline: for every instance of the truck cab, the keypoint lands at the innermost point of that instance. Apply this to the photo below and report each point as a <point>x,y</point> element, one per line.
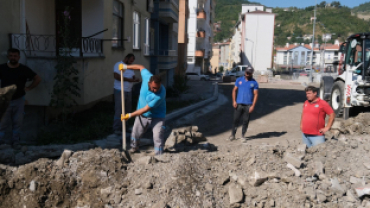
<point>237,71</point>
<point>351,87</point>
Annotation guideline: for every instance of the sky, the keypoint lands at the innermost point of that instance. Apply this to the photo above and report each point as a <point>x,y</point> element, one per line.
<point>306,3</point>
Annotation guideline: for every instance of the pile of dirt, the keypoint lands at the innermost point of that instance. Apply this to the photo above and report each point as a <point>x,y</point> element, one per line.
<point>355,127</point>
<point>71,181</point>
<point>333,174</point>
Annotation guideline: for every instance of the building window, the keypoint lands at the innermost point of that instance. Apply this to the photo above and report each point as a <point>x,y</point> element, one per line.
<point>147,37</point>
<point>117,24</point>
<point>136,28</point>
<point>303,57</point>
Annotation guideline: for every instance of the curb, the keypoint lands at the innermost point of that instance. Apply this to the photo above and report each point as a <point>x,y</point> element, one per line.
<point>185,110</point>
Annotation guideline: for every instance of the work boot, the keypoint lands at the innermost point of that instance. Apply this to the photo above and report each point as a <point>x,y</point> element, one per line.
<point>231,137</point>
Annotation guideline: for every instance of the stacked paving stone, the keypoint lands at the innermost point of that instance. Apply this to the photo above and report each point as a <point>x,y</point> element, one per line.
<point>184,136</point>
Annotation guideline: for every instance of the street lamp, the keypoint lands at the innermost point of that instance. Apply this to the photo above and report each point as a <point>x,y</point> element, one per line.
<point>313,42</point>
<point>325,44</point>
<point>252,49</point>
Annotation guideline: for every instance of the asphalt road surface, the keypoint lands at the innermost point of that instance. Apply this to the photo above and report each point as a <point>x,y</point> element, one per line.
<point>275,119</point>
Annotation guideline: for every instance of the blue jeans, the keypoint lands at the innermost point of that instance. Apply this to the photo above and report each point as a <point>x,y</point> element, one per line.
<point>312,140</point>
<point>13,118</point>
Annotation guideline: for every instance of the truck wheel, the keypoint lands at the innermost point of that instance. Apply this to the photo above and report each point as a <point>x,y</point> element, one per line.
<point>337,98</point>
<point>326,85</point>
<point>203,79</point>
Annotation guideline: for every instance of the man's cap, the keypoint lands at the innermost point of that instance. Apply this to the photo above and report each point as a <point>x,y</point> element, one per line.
<point>249,69</point>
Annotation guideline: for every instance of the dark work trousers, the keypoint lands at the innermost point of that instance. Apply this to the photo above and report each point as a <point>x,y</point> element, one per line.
<point>241,111</point>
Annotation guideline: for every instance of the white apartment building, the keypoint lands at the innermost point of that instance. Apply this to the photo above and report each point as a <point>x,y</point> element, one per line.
<point>257,37</point>
<point>246,8</point>
<point>235,45</point>
<point>200,35</point>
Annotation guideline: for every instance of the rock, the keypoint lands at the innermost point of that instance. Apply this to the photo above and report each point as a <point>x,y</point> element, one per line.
<point>355,180</point>
<point>138,191</point>
<point>33,186</point>
<point>342,138</point>
<point>321,197</point>
<point>223,179</point>
<point>337,125</point>
<point>296,172</point>
<point>289,158</point>
<point>148,185</point>
<point>318,168</point>
<point>147,160</point>
<point>363,190</point>
<point>258,178</point>
<point>171,141</point>
<point>350,197</point>
<point>235,193</point>
<point>65,156</point>
<point>336,187</point>
<point>302,148</point>
<point>367,165</point>
<point>160,204</point>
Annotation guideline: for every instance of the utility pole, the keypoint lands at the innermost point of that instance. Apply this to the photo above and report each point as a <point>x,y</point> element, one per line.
<point>313,42</point>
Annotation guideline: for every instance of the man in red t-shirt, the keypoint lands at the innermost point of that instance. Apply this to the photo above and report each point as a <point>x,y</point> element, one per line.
<point>313,118</point>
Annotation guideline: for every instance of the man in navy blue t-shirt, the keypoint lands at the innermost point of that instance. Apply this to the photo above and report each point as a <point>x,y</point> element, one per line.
<point>245,94</point>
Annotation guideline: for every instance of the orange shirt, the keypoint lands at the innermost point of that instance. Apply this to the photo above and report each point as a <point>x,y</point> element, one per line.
<point>314,114</point>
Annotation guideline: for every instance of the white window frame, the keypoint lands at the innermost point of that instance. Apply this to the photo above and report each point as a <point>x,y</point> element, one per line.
<point>120,16</point>
<point>136,30</point>
<point>147,37</point>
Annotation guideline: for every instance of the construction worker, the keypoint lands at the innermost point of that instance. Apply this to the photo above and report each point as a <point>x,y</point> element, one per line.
<point>129,80</point>
<point>313,118</point>
<point>151,110</point>
<point>14,73</point>
<point>244,95</point>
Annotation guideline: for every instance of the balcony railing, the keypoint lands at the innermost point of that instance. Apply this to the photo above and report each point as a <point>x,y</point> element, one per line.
<point>46,45</point>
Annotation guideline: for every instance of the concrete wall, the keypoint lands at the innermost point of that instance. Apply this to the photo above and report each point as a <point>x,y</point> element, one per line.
<point>259,30</point>
<point>10,22</point>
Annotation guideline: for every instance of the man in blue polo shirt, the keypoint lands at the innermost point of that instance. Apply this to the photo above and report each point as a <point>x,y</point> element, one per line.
<point>245,94</point>
<point>151,110</point>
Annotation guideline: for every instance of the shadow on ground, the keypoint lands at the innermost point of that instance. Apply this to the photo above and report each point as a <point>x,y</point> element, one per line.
<point>220,119</point>
<point>267,135</point>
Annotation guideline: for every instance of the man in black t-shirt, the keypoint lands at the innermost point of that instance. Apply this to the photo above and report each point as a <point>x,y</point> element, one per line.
<point>11,73</point>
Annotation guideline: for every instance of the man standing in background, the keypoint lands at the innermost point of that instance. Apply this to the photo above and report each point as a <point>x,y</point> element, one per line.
<point>129,79</point>
<point>14,73</point>
<point>244,95</point>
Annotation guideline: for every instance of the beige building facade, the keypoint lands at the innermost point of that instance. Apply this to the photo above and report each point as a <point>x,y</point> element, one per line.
<point>106,30</point>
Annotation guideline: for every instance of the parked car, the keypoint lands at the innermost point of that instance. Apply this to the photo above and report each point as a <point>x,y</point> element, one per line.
<point>196,76</point>
<point>237,71</point>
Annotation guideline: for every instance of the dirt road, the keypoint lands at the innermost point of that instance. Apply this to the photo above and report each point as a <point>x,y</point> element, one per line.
<point>275,119</point>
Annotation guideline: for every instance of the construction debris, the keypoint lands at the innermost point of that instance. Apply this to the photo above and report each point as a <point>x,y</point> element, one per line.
<point>333,174</point>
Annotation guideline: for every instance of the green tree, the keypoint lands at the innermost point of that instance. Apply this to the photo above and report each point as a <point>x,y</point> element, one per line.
<point>322,4</point>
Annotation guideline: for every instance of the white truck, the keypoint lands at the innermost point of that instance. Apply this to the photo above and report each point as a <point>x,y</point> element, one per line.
<point>350,89</point>
<point>237,71</point>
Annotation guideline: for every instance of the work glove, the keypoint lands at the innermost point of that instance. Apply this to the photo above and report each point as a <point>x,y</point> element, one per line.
<point>122,67</point>
<point>125,117</point>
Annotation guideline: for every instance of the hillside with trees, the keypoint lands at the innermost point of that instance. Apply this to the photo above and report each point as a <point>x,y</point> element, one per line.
<point>227,12</point>
<point>365,7</point>
<point>336,20</point>
<point>332,18</point>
